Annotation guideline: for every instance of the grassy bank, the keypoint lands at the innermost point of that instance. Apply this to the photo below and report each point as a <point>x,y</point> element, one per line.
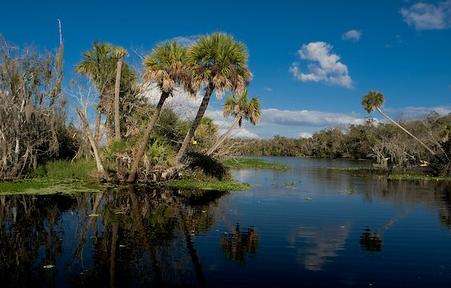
<point>396,175</point>
<point>225,185</point>
<point>253,163</point>
<point>79,176</point>
<point>55,177</point>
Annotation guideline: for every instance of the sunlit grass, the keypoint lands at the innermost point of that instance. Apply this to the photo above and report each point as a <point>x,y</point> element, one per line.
<point>226,185</point>
<point>253,163</point>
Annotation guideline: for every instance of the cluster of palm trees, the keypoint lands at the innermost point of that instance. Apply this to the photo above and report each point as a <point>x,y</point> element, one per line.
<point>215,64</point>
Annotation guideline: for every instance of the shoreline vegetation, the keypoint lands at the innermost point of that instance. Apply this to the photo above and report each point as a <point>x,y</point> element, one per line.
<point>394,175</point>
<point>127,132</point>
<point>253,163</point>
<point>80,176</point>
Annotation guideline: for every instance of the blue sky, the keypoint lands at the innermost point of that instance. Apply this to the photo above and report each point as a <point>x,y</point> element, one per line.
<point>307,71</point>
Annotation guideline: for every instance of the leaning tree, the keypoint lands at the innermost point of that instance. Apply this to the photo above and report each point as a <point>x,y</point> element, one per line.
<point>241,108</point>
<point>167,66</point>
<point>374,101</point>
<point>219,64</point>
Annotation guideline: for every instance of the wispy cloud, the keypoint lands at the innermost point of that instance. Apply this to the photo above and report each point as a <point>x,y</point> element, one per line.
<point>307,117</point>
<point>412,112</point>
<point>396,41</point>
<point>274,121</point>
<point>324,66</point>
<point>186,40</point>
<point>427,16</point>
<point>352,35</point>
<point>267,89</point>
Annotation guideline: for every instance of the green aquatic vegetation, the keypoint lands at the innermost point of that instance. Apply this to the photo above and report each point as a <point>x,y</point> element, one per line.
<point>418,177</point>
<point>368,171</point>
<point>40,186</point>
<point>253,163</point>
<point>55,177</point>
<point>225,185</point>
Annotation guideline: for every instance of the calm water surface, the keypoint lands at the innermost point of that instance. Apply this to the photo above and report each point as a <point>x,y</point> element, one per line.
<point>305,227</point>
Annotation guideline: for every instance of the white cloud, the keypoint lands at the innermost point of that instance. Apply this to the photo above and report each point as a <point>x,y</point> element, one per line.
<point>324,65</point>
<point>181,102</point>
<point>411,112</point>
<point>307,118</point>
<point>267,89</point>
<point>426,16</point>
<point>305,135</point>
<point>352,35</point>
<point>186,40</point>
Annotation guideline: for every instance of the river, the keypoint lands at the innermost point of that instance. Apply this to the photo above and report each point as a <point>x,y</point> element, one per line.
<point>304,227</point>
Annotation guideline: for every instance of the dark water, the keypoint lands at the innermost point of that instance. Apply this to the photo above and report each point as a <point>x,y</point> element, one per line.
<point>304,227</point>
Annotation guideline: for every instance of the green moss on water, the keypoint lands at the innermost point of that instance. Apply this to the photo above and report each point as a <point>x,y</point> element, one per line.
<point>40,186</point>
<point>76,177</point>
<point>401,176</point>
<point>225,185</point>
<point>55,177</point>
<point>253,163</point>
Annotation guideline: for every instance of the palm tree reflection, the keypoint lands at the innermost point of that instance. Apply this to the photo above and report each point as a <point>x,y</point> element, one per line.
<point>238,245</point>
<point>370,241</point>
<point>126,236</point>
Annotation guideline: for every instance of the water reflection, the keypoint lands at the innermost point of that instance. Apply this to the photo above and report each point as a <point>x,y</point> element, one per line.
<point>372,240</point>
<point>313,233</point>
<point>318,245</point>
<point>238,245</point>
<point>121,237</point>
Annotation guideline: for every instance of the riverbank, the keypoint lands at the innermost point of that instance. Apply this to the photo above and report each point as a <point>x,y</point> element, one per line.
<point>396,175</point>
<point>67,177</point>
<point>253,163</point>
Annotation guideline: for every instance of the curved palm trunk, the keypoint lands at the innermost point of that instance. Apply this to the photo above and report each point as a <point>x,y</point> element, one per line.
<point>93,143</point>
<point>97,127</point>
<point>143,144</point>
<point>224,136</point>
<point>117,87</point>
<point>405,130</point>
<point>200,113</point>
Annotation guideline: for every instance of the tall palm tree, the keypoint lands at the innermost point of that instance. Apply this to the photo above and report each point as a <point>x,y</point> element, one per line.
<point>374,101</point>
<point>241,108</point>
<point>219,64</point>
<point>167,66</point>
<point>100,65</point>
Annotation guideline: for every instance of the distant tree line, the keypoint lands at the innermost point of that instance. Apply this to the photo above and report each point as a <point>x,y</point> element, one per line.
<point>382,142</point>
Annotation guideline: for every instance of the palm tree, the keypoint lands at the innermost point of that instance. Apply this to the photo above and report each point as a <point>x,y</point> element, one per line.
<point>374,101</point>
<point>100,65</point>
<point>241,108</point>
<point>219,64</point>
<point>167,66</point>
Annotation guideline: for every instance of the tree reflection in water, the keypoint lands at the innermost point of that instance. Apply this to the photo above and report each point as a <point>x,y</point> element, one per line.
<point>370,241</point>
<point>116,237</point>
<point>238,245</point>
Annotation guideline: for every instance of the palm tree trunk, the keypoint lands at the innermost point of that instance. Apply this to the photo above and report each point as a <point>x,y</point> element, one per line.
<point>117,87</point>
<point>405,130</point>
<point>143,144</point>
<point>224,136</point>
<point>200,113</point>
